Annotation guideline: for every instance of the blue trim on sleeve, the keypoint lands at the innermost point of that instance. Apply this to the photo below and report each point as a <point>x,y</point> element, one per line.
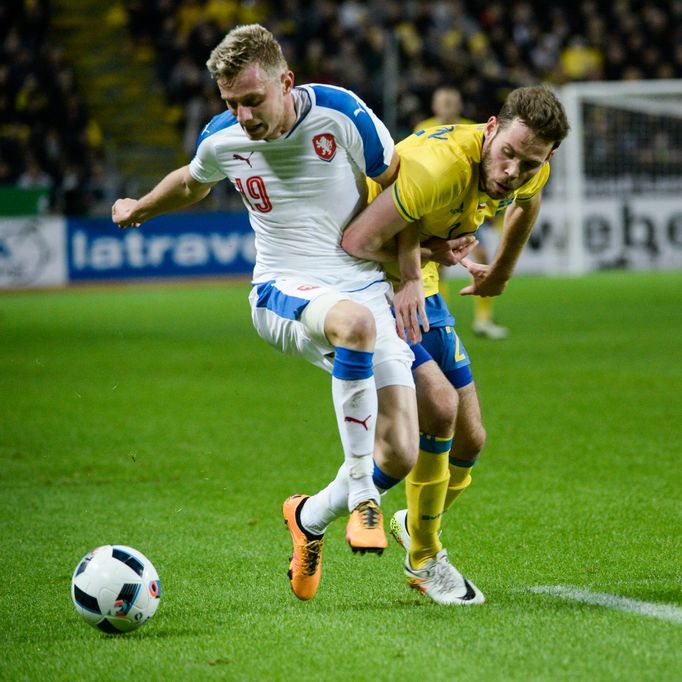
<point>271,298</point>
<point>400,203</point>
<point>216,124</point>
<point>344,102</point>
<point>351,365</point>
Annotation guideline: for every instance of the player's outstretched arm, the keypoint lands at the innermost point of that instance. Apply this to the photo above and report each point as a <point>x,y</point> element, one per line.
<point>491,280</point>
<point>177,190</point>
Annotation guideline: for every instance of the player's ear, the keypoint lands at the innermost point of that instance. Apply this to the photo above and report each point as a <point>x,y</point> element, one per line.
<point>491,126</point>
<point>287,81</point>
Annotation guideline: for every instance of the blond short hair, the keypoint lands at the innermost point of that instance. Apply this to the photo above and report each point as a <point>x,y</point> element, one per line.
<point>242,47</point>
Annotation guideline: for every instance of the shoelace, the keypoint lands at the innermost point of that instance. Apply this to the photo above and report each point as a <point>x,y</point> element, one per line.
<point>312,551</point>
<point>369,513</point>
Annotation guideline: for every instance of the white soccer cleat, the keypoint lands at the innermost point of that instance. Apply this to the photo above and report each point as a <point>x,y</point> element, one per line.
<point>490,330</point>
<point>442,582</point>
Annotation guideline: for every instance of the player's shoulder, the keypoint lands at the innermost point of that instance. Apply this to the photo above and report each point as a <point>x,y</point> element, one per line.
<point>444,147</point>
<point>335,99</point>
<point>219,123</point>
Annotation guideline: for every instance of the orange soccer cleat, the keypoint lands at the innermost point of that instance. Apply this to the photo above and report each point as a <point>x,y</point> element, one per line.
<point>365,529</point>
<point>305,568</point>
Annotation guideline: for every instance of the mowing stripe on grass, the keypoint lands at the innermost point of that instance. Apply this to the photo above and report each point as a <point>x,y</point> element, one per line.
<point>611,601</point>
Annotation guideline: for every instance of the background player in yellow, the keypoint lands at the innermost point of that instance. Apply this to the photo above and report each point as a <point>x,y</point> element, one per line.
<point>451,179</point>
<point>446,104</point>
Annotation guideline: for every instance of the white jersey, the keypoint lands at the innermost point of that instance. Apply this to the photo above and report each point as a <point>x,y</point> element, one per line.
<point>302,189</point>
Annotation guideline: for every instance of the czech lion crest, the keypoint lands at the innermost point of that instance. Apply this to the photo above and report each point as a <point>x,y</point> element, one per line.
<point>325,146</point>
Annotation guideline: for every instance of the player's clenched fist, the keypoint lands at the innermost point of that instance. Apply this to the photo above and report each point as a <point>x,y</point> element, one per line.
<point>122,213</point>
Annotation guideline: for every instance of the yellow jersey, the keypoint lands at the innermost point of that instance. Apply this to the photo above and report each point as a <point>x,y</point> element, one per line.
<point>438,185</point>
<point>433,122</point>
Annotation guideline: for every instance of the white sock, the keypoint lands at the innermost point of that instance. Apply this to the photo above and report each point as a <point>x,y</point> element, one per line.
<point>327,505</point>
<point>356,405</point>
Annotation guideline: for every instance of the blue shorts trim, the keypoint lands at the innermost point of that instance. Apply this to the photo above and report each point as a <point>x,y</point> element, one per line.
<point>421,355</point>
<point>460,377</point>
<point>271,298</point>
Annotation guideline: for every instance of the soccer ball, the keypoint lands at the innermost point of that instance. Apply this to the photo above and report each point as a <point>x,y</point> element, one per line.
<point>116,589</point>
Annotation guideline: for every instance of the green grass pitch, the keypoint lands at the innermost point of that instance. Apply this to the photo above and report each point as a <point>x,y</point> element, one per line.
<point>154,416</point>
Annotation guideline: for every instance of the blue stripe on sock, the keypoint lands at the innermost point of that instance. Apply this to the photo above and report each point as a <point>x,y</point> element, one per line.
<point>434,445</point>
<point>352,364</point>
<point>382,480</point>
<point>464,463</point>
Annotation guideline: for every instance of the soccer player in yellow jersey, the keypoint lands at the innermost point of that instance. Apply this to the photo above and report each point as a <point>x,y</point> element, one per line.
<point>451,179</point>
<point>446,104</point>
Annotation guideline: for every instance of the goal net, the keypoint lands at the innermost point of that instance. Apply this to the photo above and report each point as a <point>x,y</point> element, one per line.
<point>615,196</point>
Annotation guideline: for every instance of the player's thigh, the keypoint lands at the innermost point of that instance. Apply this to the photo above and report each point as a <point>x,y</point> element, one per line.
<point>276,309</point>
<point>397,430</point>
<point>436,400</point>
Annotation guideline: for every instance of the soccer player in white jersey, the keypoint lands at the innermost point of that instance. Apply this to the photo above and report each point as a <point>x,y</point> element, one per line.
<point>299,156</point>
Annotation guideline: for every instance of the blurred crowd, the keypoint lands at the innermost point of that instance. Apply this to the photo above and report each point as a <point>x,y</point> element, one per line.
<point>483,48</point>
<point>47,139</point>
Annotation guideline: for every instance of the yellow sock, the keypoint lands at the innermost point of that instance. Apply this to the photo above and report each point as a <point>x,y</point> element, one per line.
<point>425,488</point>
<point>460,480</point>
<point>483,309</point>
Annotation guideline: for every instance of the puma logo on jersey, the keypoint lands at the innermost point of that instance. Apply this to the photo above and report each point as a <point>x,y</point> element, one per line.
<point>239,157</point>
<point>362,422</point>
<point>359,110</point>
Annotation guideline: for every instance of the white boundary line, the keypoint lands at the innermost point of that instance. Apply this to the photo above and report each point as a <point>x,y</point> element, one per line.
<point>668,612</point>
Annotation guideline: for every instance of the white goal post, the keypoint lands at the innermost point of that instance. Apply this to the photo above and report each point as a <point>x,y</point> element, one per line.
<point>616,190</point>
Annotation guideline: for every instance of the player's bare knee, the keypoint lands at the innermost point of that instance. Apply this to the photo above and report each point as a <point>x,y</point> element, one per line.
<point>471,443</point>
<point>351,325</point>
<point>437,413</point>
<point>437,405</point>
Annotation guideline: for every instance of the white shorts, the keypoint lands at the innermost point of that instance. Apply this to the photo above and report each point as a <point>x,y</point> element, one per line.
<point>283,316</point>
